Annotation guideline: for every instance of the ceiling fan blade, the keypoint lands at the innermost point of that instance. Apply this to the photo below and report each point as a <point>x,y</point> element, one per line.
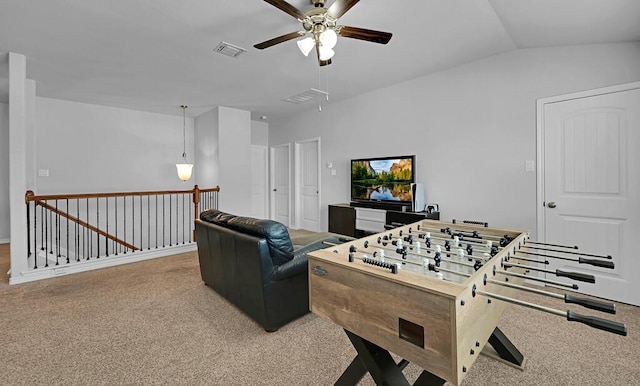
<point>340,7</point>
<point>279,39</point>
<point>288,8</point>
<point>364,34</point>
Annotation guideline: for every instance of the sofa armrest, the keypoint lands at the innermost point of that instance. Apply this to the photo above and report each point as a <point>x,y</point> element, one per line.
<point>325,242</point>
<point>293,267</point>
<point>298,264</point>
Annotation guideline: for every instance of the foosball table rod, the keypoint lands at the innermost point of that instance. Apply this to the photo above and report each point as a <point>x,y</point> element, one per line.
<point>457,238</point>
<point>433,234</point>
<point>579,260</point>
<point>539,279</point>
<point>426,265</point>
<point>559,273</point>
<point>569,299</point>
<point>417,247</point>
<point>592,321</point>
<point>608,257</point>
<point>425,253</point>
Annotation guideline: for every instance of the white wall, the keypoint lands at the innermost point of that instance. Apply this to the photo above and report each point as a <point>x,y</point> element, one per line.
<point>471,127</point>
<point>4,173</point>
<point>234,136</point>
<point>91,148</point>
<point>206,165</point>
<point>259,133</point>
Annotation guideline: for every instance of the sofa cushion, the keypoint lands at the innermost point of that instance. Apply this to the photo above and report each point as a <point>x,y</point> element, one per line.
<point>274,232</point>
<point>215,216</point>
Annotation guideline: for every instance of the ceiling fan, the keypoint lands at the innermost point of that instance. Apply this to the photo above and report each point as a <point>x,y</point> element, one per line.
<point>321,24</point>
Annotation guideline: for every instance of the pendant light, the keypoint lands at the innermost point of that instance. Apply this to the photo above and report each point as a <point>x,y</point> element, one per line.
<point>184,169</point>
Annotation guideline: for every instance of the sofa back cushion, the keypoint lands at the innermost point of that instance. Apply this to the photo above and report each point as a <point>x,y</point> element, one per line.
<point>275,233</point>
<point>215,216</point>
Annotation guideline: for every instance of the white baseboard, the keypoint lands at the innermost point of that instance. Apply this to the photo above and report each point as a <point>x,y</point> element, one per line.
<point>103,262</point>
<point>5,241</point>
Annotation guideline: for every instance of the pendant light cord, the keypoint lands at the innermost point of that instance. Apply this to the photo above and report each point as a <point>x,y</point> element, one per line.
<point>184,135</point>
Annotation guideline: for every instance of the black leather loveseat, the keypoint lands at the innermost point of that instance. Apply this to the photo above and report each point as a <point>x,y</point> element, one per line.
<point>253,264</point>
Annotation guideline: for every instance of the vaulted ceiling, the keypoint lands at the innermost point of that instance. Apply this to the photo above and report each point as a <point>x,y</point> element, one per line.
<point>155,55</point>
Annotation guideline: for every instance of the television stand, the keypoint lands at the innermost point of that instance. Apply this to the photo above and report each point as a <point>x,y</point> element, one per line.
<point>354,220</point>
<point>386,205</point>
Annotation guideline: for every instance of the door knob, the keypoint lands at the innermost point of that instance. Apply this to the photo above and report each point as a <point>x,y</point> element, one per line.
<point>551,205</point>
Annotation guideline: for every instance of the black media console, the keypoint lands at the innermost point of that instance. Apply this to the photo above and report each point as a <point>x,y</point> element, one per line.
<point>356,220</point>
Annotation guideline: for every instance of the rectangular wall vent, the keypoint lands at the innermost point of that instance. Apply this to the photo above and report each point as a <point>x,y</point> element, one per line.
<point>229,49</point>
<point>306,96</point>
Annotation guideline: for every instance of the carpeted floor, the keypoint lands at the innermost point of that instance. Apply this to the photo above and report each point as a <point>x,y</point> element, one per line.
<point>156,323</point>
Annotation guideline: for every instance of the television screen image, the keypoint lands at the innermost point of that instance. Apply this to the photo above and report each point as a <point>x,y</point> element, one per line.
<point>382,179</point>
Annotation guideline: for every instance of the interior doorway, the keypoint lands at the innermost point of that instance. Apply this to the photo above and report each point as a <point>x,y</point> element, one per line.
<point>280,181</point>
<point>589,183</point>
<point>259,181</point>
<point>307,192</point>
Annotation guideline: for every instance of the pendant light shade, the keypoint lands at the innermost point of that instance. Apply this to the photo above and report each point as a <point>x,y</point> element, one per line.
<point>306,45</point>
<point>329,38</point>
<point>184,169</point>
<point>326,53</point>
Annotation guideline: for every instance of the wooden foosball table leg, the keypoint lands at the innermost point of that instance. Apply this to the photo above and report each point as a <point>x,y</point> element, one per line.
<point>505,348</point>
<point>380,365</point>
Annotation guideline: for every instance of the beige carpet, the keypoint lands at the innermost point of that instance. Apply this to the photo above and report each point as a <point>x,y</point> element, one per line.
<point>156,323</point>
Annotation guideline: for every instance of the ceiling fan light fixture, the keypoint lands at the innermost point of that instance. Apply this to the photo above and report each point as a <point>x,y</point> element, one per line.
<point>306,45</point>
<point>326,53</point>
<point>322,24</point>
<point>329,38</point>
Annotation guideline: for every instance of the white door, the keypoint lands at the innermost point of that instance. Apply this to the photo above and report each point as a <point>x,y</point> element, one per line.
<point>591,185</point>
<point>308,184</point>
<point>280,183</point>
<point>259,181</point>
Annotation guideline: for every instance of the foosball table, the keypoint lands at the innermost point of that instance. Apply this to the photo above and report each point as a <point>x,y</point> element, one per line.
<point>432,293</point>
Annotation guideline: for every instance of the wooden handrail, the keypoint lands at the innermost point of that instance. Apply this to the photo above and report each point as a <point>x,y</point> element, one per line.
<point>42,200</point>
<point>85,224</point>
<point>31,196</point>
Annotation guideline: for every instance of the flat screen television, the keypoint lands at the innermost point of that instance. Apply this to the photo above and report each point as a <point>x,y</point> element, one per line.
<point>383,179</point>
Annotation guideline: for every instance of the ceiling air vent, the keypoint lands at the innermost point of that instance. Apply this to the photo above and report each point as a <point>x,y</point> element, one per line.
<point>306,96</point>
<point>229,49</point>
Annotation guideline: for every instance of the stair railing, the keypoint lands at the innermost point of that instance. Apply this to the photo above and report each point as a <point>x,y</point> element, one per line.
<point>68,228</point>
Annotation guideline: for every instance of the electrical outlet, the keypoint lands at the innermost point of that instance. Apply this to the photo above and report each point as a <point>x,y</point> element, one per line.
<point>333,172</point>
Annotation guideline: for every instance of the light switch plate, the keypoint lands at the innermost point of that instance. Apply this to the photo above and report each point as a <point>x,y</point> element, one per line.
<point>529,165</point>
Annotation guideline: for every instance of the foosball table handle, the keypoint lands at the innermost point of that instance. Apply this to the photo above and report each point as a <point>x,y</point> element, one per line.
<point>597,263</point>
<point>576,276</point>
<point>590,303</point>
<point>599,323</point>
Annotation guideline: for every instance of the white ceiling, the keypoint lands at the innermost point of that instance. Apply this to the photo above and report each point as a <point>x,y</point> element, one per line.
<point>155,55</point>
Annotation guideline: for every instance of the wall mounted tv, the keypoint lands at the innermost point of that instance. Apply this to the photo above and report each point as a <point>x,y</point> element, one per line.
<point>382,179</point>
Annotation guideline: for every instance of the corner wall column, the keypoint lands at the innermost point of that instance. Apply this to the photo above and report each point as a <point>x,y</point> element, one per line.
<point>21,99</point>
